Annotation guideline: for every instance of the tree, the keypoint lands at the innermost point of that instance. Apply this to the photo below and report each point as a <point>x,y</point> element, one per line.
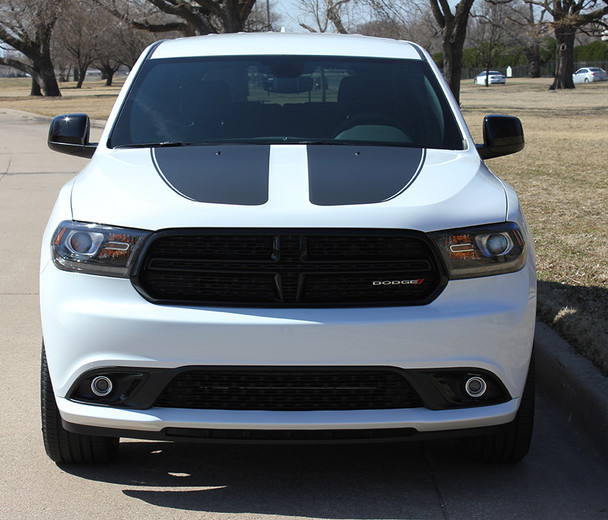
<point>569,17</point>
<point>325,15</point>
<point>403,21</point>
<point>488,34</point>
<point>383,29</point>
<point>423,29</point>
<point>129,44</point>
<point>27,26</point>
<point>454,30</point>
<point>528,29</point>
<point>263,17</point>
<point>89,35</point>
<point>383,18</point>
<point>77,35</point>
<point>117,45</point>
<point>188,17</point>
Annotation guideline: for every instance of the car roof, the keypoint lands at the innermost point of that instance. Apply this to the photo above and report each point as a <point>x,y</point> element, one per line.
<point>244,44</point>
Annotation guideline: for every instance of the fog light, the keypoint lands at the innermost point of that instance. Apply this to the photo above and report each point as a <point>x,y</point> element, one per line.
<point>101,386</point>
<point>475,386</point>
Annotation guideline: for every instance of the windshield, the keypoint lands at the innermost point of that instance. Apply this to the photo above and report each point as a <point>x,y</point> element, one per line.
<point>286,99</point>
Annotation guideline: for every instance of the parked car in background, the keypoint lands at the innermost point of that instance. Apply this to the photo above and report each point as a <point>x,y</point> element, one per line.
<point>589,74</point>
<point>494,78</point>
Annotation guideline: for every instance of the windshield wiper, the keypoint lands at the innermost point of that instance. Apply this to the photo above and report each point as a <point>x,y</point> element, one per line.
<point>163,144</point>
<point>296,140</point>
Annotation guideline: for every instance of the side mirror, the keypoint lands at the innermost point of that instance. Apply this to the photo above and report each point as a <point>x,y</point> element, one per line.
<point>502,135</point>
<point>69,134</point>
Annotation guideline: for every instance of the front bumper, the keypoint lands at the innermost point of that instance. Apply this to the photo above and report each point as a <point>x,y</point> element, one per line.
<point>92,322</point>
<point>175,424</point>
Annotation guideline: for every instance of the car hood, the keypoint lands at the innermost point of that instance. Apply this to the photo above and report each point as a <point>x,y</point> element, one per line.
<point>313,186</point>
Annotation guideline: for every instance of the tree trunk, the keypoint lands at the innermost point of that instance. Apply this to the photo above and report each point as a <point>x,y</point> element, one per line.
<point>107,73</point>
<point>45,68</point>
<point>534,69</point>
<point>333,15</point>
<point>533,55</point>
<point>454,31</point>
<point>564,59</point>
<point>452,64</point>
<point>35,90</point>
<point>82,72</point>
<point>231,19</point>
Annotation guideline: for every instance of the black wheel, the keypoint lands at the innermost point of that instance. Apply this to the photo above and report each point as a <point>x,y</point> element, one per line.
<point>586,80</point>
<point>62,445</point>
<point>513,442</point>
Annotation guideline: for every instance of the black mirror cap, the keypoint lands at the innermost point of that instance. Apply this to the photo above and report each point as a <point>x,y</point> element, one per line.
<point>69,133</point>
<point>502,135</point>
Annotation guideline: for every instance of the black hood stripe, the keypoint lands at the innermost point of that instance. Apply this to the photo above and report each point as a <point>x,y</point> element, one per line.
<point>232,174</point>
<point>337,175</point>
<point>343,175</point>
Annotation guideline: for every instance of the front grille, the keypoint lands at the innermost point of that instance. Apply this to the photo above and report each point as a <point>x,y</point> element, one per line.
<point>290,268</point>
<point>289,390</point>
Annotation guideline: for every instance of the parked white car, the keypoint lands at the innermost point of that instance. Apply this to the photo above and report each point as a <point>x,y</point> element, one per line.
<point>589,75</point>
<point>494,78</point>
<point>286,238</point>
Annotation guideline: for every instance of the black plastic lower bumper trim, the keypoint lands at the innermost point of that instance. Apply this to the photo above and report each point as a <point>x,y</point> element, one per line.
<point>257,436</point>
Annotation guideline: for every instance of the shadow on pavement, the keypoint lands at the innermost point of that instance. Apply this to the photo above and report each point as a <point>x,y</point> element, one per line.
<point>355,481</point>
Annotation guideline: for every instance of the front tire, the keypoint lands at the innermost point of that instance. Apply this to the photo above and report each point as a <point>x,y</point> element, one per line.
<point>62,445</point>
<point>512,443</point>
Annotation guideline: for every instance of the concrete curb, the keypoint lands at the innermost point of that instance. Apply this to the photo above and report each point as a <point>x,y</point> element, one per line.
<point>575,383</point>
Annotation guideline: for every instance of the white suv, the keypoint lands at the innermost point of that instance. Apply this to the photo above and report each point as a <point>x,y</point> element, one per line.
<point>286,238</point>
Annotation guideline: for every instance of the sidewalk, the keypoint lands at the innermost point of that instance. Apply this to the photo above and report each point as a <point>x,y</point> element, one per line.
<point>574,383</point>
<point>31,155</point>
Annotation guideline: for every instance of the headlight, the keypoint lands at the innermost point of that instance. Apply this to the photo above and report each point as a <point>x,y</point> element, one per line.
<point>94,249</point>
<point>482,251</point>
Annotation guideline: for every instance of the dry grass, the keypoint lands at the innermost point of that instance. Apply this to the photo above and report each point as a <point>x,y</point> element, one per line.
<point>561,178</point>
<point>94,98</point>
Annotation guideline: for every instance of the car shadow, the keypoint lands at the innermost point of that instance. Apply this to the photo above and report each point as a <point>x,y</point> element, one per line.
<point>346,481</point>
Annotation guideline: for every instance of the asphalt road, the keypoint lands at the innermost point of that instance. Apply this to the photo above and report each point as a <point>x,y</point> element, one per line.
<point>562,477</point>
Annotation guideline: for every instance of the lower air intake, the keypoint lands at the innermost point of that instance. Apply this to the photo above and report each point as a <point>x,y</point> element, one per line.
<point>289,390</point>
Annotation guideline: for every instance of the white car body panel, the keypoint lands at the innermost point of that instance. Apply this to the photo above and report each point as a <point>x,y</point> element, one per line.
<point>421,419</point>
<point>364,336</point>
<point>92,322</point>
<point>289,44</point>
<point>454,189</point>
